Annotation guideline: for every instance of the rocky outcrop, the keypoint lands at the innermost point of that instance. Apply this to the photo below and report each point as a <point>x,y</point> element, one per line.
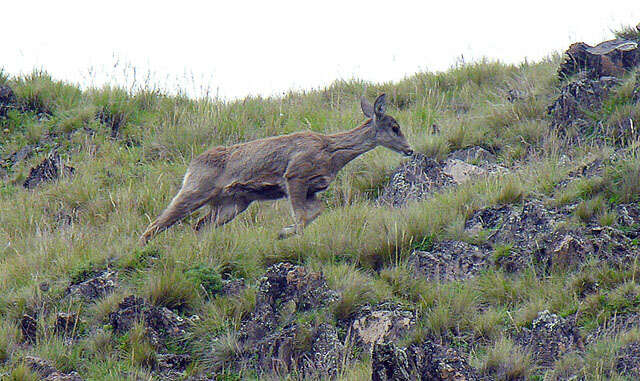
<point>550,337</point>
<point>419,177</point>
<point>161,323</point>
<point>49,169</point>
<point>578,100</point>
<point>381,323</point>
<point>609,58</point>
<point>278,342</point>
<point>628,360</point>
<point>7,100</point>
<point>449,260</point>
<point>415,179</point>
<point>425,361</point>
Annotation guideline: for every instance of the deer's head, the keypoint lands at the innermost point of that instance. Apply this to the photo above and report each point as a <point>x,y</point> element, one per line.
<point>388,132</point>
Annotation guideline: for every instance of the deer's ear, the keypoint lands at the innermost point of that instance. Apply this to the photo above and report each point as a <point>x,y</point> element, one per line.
<point>367,109</point>
<point>380,105</point>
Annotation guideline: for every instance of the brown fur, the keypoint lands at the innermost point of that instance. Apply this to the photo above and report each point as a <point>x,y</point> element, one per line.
<point>296,166</point>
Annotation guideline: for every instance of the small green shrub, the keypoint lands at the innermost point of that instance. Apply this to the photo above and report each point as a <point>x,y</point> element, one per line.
<point>206,277</point>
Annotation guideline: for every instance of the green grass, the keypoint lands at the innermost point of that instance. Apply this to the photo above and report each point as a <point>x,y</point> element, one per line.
<point>124,180</point>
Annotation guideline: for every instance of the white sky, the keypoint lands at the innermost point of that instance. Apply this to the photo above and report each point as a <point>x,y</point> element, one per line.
<point>238,48</point>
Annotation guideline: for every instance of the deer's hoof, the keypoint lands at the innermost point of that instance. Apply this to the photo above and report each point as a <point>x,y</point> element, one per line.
<point>287,232</point>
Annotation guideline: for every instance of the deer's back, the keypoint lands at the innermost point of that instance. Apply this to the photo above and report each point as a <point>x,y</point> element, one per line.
<point>262,160</point>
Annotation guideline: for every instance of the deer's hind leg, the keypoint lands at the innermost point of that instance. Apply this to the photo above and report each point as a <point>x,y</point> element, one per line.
<point>195,192</point>
<point>223,212</point>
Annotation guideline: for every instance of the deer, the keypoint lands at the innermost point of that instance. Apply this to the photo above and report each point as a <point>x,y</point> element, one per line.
<point>296,166</point>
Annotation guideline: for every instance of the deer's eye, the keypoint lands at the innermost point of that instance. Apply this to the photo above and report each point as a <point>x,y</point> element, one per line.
<point>396,130</point>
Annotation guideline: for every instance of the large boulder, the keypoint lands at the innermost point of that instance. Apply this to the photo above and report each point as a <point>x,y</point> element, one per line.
<point>609,58</point>
<point>419,177</point>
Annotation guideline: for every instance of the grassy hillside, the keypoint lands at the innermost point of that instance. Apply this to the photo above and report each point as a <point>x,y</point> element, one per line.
<point>130,151</point>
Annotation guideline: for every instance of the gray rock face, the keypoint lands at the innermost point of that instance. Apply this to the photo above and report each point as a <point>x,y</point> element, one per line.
<point>628,361</point>
<point>549,337</point>
<point>577,100</point>
<point>426,361</point>
<point>461,172</point>
<point>377,324</point>
<point>276,341</point>
<point>415,179</point>
<point>389,363</point>
<point>421,176</point>
<point>449,260</point>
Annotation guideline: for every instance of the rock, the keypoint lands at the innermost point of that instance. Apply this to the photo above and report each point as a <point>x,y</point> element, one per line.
<point>66,322</point>
<point>96,287</point>
<point>577,101</point>
<point>550,337</point>
<point>49,169</point>
<point>47,372</point>
<point>449,260</point>
<point>432,361</point>
<point>7,100</point>
<point>628,360</point>
<point>614,245</point>
<point>326,353</point>
<point>381,323</point>
<point>273,340</point>
<point>415,179</point>
<point>425,361</point>
<point>628,216</point>
<point>569,251</point>
<point>473,155</point>
<point>171,366</point>
<point>609,58</point>
<point>462,172</point>
<point>389,363</point>
<point>29,327</point>
<point>161,323</point>
<point>286,285</point>
<point>524,226</point>
<point>420,176</point>
<point>44,286</point>
<point>233,287</point>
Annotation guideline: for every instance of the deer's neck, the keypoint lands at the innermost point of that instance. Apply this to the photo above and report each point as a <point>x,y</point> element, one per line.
<point>346,146</point>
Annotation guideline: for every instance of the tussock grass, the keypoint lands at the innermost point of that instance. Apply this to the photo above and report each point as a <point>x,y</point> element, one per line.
<point>506,361</point>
